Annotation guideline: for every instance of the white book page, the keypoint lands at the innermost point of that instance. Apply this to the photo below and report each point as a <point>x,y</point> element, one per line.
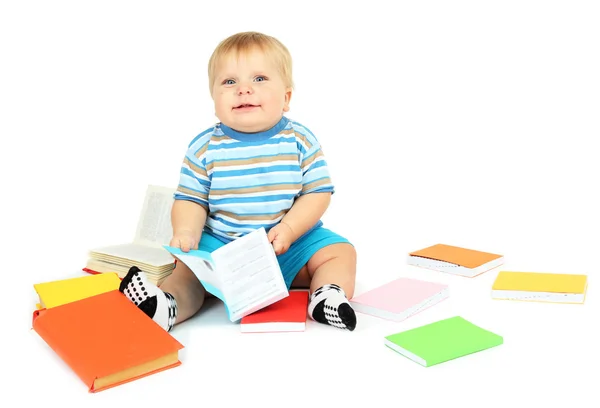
<point>202,265</point>
<point>249,271</point>
<point>136,253</point>
<point>154,225</point>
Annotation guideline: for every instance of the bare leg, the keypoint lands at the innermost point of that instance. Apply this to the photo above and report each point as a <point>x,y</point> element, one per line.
<point>302,279</point>
<point>330,275</point>
<point>187,290</point>
<point>333,264</point>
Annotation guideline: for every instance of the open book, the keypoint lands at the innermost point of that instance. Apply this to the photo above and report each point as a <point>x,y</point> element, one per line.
<point>146,251</point>
<point>244,273</point>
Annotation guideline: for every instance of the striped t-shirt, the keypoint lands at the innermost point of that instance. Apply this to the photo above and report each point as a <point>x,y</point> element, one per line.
<point>250,180</point>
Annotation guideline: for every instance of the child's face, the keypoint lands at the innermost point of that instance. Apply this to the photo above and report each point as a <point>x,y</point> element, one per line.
<point>249,93</point>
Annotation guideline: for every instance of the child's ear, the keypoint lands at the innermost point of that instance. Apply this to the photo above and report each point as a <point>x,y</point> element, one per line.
<point>288,97</point>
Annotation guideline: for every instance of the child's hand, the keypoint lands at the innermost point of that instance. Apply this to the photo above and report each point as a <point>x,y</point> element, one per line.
<point>281,237</point>
<point>184,240</point>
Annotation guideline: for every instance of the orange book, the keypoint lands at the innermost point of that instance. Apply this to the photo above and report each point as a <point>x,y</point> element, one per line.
<point>106,340</point>
<point>455,260</point>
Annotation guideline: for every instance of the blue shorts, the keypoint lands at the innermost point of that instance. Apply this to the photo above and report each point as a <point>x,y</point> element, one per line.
<point>295,257</point>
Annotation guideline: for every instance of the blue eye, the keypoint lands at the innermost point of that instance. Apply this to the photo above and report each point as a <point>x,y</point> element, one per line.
<point>260,78</point>
<point>228,82</point>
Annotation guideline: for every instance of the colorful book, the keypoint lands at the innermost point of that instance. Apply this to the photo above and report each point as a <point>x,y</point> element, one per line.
<point>399,299</point>
<point>287,315</point>
<point>442,341</point>
<point>540,287</point>
<point>244,274</point>
<point>455,260</point>
<point>58,292</point>
<point>106,340</point>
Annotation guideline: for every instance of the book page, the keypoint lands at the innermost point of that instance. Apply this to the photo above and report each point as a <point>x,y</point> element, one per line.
<point>202,264</point>
<point>154,225</point>
<point>133,253</point>
<point>250,273</point>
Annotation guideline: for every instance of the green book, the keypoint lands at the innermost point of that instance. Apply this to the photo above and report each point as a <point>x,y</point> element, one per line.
<point>441,341</point>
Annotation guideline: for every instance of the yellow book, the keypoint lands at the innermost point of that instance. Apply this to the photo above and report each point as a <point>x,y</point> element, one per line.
<point>59,292</point>
<point>541,287</point>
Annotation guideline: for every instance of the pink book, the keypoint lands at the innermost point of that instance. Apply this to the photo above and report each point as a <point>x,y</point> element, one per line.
<point>399,299</point>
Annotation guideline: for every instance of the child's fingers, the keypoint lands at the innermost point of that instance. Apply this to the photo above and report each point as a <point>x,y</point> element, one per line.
<point>277,246</point>
<point>272,234</point>
<point>185,245</point>
<point>174,242</point>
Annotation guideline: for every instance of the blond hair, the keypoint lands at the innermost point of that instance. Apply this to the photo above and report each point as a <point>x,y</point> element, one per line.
<point>244,42</point>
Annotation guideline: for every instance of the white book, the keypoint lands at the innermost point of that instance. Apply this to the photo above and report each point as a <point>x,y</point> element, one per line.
<point>244,273</point>
<point>154,230</point>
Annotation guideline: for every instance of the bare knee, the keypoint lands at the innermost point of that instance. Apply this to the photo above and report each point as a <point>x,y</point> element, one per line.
<point>334,264</point>
<point>342,252</point>
<point>187,290</point>
<point>182,276</point>
<point>348,252</point>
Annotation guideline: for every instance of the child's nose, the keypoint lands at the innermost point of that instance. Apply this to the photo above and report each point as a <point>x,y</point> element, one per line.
<point>245,90</point>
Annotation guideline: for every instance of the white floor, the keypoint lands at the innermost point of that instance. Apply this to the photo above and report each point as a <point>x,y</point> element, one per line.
<point>462,122</point>
<point>547,350</point>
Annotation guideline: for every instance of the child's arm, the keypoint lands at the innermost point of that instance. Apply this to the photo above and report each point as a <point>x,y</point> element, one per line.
<point>306,212</point>
<point>188,219</point>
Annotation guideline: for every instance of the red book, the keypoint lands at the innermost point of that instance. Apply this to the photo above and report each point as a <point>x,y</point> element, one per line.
<point>287,315</point>
<point>106,340</point>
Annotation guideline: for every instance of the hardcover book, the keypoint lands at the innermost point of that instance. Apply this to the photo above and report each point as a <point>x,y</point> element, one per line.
<point>286,315</point>
<point>106,340</point>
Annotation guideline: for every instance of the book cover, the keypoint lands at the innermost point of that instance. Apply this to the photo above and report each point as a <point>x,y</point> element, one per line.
<point>244,274</point>
<point>399,299</point>
<point>106,340</point>
<point>58,292</point>
<point>541,287</point>
<point>287,315</point>
<point>455,260</point>
<point>442,341</point>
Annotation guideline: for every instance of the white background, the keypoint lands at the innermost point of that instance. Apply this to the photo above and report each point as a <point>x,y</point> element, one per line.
<point>465,122</point>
